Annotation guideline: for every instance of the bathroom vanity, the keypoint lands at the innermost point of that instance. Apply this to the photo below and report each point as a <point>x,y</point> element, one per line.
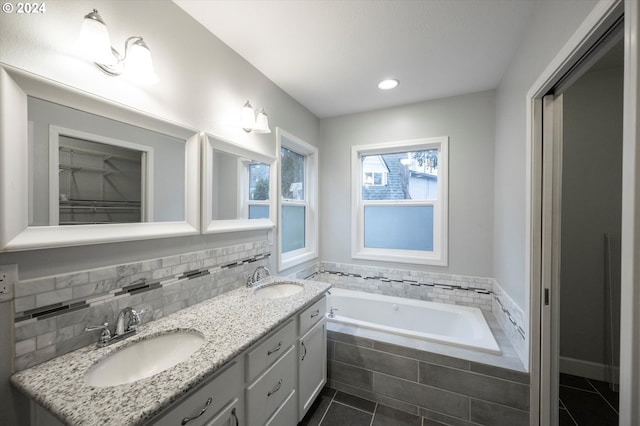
<point>263,362</point>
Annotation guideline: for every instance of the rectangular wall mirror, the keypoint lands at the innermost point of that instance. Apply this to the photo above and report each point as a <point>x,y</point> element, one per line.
<point>78,169</point>
<point>238,187</point>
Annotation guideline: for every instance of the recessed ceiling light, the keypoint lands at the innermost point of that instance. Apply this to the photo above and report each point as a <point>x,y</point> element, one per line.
<point>388,84</point>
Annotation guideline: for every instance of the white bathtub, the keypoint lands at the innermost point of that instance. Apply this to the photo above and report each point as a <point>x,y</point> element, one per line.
<point>455,325</point>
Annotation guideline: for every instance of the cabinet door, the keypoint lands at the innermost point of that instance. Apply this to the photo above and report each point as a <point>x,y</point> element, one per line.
<point>202,404</point>
<point>312,366</point>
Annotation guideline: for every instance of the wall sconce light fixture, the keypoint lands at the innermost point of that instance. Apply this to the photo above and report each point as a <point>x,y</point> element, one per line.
<point>95,44</point>
<point>254,121</point>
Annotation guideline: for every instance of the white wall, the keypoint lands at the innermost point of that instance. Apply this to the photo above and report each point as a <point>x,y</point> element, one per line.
<point>468,120</point>
<point>553,23</point>
<point>203,84</point>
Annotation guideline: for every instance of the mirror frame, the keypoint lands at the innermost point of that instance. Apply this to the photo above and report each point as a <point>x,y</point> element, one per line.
<point>15,232</point>
<point>212,143</point>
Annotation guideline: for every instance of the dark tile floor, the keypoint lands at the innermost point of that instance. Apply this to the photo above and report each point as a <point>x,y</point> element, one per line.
<point>586,402</point>
<point>334,408</point>
<point>583,402</point>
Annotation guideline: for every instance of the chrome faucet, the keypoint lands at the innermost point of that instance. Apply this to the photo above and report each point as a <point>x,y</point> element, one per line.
<point>122,330</point>
<point>132,324</point>
<point>260,273</point>
<point>332,312</point>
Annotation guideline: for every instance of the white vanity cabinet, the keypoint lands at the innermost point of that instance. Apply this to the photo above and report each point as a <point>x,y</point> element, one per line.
<point>216,402</point>
<point>271,377</point>
<point>272,383</point>
<point>312,355</point>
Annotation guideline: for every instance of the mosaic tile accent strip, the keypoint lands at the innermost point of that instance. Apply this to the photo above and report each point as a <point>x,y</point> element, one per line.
<point>511,318</point>
<point>52,312</point>
<point>437,287</point>
<point>483,293</point>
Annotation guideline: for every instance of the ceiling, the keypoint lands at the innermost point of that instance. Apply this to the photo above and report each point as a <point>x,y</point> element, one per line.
<point>329,55</point>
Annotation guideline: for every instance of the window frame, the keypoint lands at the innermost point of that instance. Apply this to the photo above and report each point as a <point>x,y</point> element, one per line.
<point>439,255</point>
<point>310,153</point>
<point>247,202</point>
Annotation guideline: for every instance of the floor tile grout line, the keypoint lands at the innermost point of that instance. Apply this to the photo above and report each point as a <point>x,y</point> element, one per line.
<point>605,399</point>
<point>580,389</point>
<point>351,406</point>
<point>327,409</point>
<point>569,413</point>
<point>374,414</point>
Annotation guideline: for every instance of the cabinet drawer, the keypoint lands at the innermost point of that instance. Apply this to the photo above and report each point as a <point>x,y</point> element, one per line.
<point>286,414</point>
<point>270,390</point>
<point>221,389</point>
<point>312,315</point>
<point>230,415</point>
<point>267,352</point>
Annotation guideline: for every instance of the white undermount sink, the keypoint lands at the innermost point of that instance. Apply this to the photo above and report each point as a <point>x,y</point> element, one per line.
<point>278,290</point>
<point>144,358</point>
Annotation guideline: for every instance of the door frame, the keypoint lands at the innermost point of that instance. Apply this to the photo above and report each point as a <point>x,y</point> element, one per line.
<point>601,18</point>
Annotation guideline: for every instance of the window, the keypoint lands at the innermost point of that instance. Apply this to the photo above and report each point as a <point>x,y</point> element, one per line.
<point>298,201</point>
<point>258,191</point>
<point>399,201</point>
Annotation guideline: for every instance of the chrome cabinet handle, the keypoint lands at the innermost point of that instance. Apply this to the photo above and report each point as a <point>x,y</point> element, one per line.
<point>206,405</point>
<point>275,349</point>
<point>316,313</point>
<point>276,389</point>
<point>305,351</point>
<point>233,413</point>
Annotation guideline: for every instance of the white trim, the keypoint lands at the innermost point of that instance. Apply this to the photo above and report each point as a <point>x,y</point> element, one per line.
<point>15,232</point>
<point>147,165</point>
<point>601,18</point>
<point>592,370</point>
<point>439,255</point>
<point>630,266</point>
<point>310,250</point>
<point>211,143</point>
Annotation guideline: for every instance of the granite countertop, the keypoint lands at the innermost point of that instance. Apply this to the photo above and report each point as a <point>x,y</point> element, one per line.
<point>230,323</point>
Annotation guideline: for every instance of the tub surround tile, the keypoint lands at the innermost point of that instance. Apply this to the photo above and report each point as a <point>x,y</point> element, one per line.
<point>421,395</point>
<point>481,292</point>
<point>444,389</point>
<point>476,385</point>
<point>511,320</point>
<point>351,374</point>
<point>487,413</point>
<point>503,373</point>
<point>398,366</point>
<point>228,331</point>
<point>422,355</point>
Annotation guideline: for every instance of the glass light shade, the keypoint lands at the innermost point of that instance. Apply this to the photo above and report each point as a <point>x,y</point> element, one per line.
<point>388,84</point>
<point>93,41</point>
<point>262,122</point>
<point>138,65</point>
<point>247,117</point>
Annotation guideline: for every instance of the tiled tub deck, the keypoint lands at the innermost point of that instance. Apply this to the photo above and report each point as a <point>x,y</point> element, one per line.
<point>441,384</point>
